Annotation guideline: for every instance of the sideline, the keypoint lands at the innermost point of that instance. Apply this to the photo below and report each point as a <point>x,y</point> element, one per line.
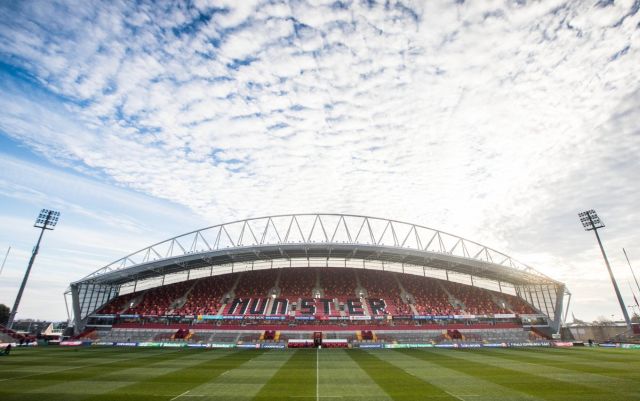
<point>178,396</point>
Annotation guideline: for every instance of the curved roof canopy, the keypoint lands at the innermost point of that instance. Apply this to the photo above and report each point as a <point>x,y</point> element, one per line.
<point>317,236</point>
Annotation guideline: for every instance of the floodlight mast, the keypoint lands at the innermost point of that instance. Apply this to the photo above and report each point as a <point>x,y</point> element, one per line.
<point>591,221</point>
<point>9,250</point>
<point>45,221</point>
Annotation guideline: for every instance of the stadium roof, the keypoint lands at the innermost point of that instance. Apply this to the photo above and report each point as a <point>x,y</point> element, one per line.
<point>325,236</point>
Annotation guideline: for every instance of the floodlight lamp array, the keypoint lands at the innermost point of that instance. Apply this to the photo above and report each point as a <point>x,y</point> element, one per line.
<point>47,218</point>
<point>590,220</point>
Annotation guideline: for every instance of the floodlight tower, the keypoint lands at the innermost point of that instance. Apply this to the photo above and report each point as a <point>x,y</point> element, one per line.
<point>591,221</point>
<point>45,221</point>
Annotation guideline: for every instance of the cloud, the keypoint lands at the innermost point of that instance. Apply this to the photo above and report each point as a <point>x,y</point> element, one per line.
<point>498,121</point>
<point>99,223</point>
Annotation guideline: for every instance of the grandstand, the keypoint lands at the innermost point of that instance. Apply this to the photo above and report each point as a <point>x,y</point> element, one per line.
<point>311,277</point>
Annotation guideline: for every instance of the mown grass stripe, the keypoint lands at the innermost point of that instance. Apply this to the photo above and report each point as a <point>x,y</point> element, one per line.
<point>168,386</point>
<point>126,374</point>
<point>588,353</point>
<point>610,369</point>
<point>508,375</point>
<point>296,379</point>
<point>118,378</point>
<point>602,354</point>
<point>461,385</point>
<point>67,371</point>
<point>33,359</point>
<point>340,376</point>
<point>244,382</point>
<point>396,382</point>
<point>20,387</point>
<point>594,381</point>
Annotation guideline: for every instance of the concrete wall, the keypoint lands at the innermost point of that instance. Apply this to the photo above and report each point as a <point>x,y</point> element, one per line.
<point>596,333</point>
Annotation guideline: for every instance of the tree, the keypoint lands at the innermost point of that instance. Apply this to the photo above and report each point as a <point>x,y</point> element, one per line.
<point>603,321</point>
<point>4,314</point>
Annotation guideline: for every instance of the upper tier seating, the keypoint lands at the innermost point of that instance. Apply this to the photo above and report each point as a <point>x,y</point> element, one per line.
<point>205,298</point>
<point>256,283</point>
<point>157,301</point>
<point>118,304</point>
<point>429,296</point>
<point>518,305</point>
<point>338,282</point>
<point>476,301</point>
<point>381,284</point>
<point>297,282</point>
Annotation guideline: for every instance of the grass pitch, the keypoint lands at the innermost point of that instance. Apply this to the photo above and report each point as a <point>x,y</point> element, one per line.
<point>70,374</point>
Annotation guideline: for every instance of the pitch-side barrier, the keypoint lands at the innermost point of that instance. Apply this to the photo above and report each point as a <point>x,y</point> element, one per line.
<point>296,344</point>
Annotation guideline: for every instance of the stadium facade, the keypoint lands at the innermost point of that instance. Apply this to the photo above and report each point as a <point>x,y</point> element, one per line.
<point>293,266</point>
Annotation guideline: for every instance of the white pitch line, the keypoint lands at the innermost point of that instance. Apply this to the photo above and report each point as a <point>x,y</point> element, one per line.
<point>178,396</point>
<point>34,374</point>
<point>460,396</point>
<point>317,376</point>
<point>454,396</point>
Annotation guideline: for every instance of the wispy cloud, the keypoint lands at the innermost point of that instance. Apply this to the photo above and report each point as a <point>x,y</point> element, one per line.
<point>495,120</point>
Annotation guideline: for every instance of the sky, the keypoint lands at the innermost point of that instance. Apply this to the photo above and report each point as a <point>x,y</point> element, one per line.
<point>498,121</point>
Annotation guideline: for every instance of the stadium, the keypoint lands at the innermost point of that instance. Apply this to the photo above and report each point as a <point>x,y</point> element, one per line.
<point>317,280</point>
<point>315,306</point>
